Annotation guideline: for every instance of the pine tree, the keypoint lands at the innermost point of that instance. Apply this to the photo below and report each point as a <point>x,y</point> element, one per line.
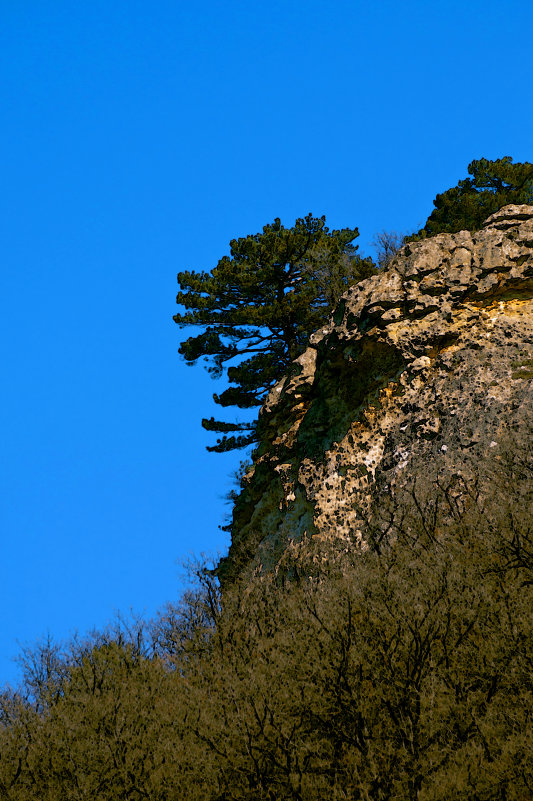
<point>258,307</point>
<point>490,186</point>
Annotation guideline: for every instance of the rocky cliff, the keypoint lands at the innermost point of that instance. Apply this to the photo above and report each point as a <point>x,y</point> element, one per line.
<point>419,365</point>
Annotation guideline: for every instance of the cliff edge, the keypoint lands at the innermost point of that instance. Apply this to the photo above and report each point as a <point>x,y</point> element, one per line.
<point>418,365</point>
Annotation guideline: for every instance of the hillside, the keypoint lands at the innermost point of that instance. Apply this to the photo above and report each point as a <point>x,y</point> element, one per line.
<point>370,638</point>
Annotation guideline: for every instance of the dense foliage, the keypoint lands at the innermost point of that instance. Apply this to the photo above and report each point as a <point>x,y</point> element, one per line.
<point>401,672</point>
<point>259,306</point>
<point>490,186</point>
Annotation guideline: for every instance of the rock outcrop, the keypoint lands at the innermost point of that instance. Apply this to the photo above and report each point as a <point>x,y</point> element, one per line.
<point>418,365</point>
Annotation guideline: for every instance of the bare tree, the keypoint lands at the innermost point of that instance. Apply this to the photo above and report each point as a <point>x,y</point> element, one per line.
<point>387,244</point>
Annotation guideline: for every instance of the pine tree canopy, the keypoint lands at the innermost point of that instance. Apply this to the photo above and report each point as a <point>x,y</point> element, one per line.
<point>490,186</point>
<point>258,307</point>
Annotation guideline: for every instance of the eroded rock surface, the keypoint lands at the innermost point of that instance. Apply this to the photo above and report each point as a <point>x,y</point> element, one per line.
<point>418,365</point>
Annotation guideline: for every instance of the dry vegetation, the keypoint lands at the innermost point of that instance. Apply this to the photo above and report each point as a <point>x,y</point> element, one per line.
<point>404,672</point>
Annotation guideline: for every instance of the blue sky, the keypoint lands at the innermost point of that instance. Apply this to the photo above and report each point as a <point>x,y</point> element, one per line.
<point>139,138</point>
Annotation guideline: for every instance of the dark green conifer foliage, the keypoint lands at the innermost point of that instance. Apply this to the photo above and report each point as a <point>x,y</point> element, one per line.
<point>260,304</point>
<point>490,186</point>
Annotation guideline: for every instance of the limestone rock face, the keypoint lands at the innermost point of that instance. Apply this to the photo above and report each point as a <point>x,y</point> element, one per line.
<point>418,365</point>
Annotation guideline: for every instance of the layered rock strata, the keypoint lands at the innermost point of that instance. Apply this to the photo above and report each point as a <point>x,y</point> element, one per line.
<point>418,365</point>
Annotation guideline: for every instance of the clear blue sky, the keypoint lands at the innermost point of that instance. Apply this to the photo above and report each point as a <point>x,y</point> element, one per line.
<point>137,139</point>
